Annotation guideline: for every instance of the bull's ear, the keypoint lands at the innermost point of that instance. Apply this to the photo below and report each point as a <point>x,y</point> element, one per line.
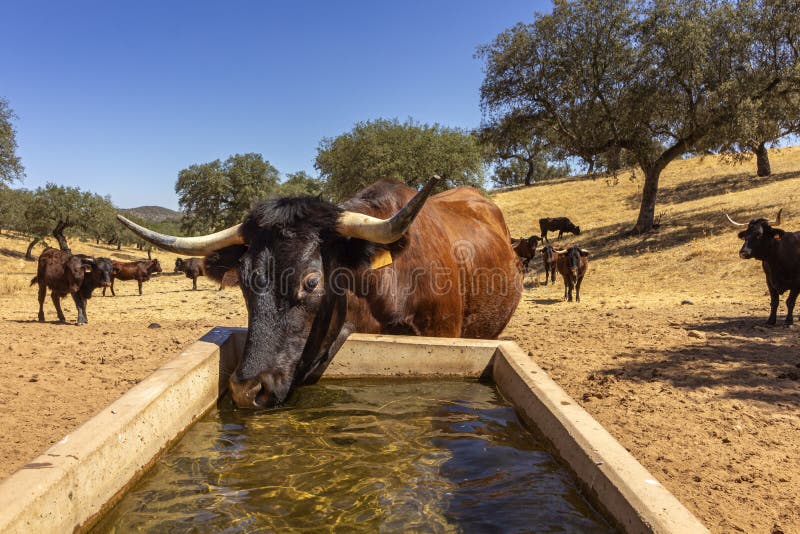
<point>87,264</point>
<point>778,233</point>
<point>223,265</point>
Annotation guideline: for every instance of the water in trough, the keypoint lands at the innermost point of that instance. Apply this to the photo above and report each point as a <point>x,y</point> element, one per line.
<point>356,455</point>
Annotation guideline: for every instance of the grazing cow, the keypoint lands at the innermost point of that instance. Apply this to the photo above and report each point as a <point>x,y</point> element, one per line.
<point>525,248</point>
<point>572,263</point>
<point>385,261</point>
<point>134,270</point>
<point>192,267</point>
<point>549,259</point>
<point>65,273</point>
<point>779,252</point>
<point>562,224</point>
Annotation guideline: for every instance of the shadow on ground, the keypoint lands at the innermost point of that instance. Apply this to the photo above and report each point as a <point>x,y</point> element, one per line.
<point>712,186</point>
<point>14,254</point>
<point>739,356</point>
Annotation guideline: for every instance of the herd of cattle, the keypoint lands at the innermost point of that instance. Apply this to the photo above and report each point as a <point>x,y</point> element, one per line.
<point>571,262</point>
<point>79,275</point>
<point>298,323</point>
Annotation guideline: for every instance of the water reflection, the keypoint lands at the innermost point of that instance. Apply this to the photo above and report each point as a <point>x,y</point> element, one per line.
<point>349,456</point>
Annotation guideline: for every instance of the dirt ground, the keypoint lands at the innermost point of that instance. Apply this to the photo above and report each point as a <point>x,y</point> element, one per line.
<point>668,348</point>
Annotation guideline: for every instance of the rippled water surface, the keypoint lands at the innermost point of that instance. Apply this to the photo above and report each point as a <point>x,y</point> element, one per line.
<point>344,456</point>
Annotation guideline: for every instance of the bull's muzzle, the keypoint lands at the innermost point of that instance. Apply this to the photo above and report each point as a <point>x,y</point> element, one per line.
<point>259,392</point>
<point>745,253</point>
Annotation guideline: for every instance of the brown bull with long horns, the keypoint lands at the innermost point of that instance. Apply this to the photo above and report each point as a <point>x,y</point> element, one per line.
<point>779,252</point>
<point>385,261</point>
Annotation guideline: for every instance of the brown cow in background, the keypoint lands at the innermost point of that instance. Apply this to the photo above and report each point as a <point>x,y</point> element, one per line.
<point>192,267</point>
<point>572,263</point>
<point>134,270</point>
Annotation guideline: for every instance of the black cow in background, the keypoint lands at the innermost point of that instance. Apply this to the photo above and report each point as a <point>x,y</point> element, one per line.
<point>779,252</point>
<point>549,259</point>
<point>562,224</point>
<point>77,275</point>
<point>525,248</point>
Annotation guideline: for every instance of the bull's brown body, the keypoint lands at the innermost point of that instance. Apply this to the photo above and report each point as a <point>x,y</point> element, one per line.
<point>468,279</point>
<point>134,270</point>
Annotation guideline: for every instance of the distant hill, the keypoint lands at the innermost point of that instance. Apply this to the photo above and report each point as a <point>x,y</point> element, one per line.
<point>153,213</point>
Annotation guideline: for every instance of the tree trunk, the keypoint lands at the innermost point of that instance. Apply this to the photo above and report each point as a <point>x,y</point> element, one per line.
<point>529,174</point>
<point>647,211</point>
<point>58,233</point>
<point>762,160</point>
<point>28,255</point>
<point>119,245</point>
<point>148,253</point>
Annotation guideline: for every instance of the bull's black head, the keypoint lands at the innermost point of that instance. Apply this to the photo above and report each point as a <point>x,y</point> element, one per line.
<point>178,265</point>
<point>758,238</point>
<point>155,267</point>
<point>295,259</point>
<point>295,303</point>
<point>102,270</point>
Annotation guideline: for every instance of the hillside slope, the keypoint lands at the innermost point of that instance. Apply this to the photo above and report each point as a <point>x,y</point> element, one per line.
<point>152,213</point>
<point>667,348</point>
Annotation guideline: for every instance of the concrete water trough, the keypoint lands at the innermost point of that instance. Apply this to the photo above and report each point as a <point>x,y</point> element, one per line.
<point>77,480</point>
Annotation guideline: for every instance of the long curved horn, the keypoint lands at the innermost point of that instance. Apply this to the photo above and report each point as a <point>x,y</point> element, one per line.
<point>734,222</point>
<point>384,231</point>
<point>778,218</point>
<point>194,246</point>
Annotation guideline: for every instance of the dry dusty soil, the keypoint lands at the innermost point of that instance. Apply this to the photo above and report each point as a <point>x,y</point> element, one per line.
<point>668,348</point>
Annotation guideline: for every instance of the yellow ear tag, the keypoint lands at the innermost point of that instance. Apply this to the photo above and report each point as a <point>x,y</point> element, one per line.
<point>381,259</point>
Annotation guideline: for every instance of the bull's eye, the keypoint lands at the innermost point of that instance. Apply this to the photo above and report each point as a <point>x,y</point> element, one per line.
<point>311,282</point>
<point>261,281</point>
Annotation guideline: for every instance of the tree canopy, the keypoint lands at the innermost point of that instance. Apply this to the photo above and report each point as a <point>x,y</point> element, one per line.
<point>520,154</point>
<point>300,183</point>
<point>653,78</point>
<point>218,194</point>
<point>10,164</point>
<point>408,152</point>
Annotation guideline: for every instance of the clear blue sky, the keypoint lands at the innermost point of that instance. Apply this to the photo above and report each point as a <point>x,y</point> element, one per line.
<point>117,97</point>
